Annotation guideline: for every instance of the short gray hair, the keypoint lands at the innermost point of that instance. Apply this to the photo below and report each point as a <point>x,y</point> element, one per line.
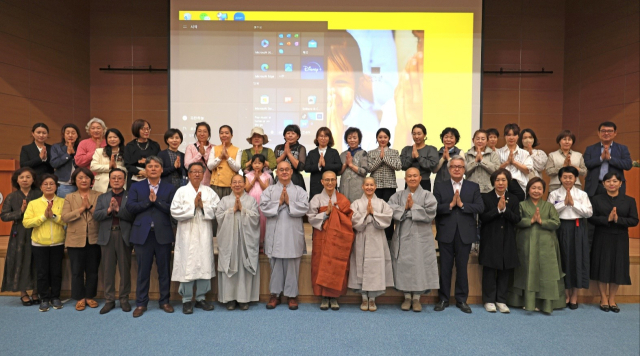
<point>457,157</point>
<point>153,158</point>
<point>94,120</point>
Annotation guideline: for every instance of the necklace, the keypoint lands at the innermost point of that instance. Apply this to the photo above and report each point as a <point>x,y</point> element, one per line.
<point>140,147</point>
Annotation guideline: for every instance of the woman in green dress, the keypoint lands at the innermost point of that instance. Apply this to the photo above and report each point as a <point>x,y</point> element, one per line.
<point>538,282</point>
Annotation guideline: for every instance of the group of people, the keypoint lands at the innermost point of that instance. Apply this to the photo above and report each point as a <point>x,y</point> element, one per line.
<point>102,199</point>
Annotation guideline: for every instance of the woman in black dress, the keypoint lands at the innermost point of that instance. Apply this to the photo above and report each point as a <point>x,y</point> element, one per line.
<point>321,159</point>
<point>137,151</point>
<point>19,270</point>
<point>613,215</point>
<point>498,251</point>
<point>37,154</point>
<point>293,152</point>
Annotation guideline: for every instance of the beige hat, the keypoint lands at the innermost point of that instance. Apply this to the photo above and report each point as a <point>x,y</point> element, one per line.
<point>258,131</point>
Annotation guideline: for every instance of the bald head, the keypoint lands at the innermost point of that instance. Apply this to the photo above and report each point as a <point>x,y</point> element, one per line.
<point>283,172</point>
<point>329,181</point>
<point>328,174</point>
<point>413,170</point>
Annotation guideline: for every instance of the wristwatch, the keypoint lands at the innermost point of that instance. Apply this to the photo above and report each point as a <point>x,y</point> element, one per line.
<point>54,216</point>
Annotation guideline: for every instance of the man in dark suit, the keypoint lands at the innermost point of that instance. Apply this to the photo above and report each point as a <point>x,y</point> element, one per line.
<point>603,157</point>
<point>459,201</point>
<point>151,233</point>
<point>113,238</point>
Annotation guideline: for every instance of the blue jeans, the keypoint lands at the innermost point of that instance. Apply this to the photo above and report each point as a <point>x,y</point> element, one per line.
<point>63,190</point>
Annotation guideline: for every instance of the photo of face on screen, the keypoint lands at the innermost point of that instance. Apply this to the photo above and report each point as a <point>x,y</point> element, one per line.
<point>275,69</point>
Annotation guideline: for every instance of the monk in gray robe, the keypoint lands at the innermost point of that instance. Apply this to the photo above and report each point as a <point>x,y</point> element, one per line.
<point>330,215</point>
<point>413,251</point>
<point>284,204</point>
<point>238,247</point>
<point>370,271</point>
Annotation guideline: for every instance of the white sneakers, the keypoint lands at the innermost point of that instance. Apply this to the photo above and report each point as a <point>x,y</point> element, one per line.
<point>503,308</point>
<point>490,307</point>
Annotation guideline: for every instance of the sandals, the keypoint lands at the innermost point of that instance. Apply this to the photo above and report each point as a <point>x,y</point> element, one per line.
<point>35,299</point>
<point>614,308</point>
<point>28,302</point>
<point>605,308</point>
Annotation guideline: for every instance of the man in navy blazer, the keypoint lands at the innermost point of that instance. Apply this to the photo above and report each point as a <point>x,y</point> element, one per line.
<point>459,201</point>
<point>151,233</point>
<point>603,157</point>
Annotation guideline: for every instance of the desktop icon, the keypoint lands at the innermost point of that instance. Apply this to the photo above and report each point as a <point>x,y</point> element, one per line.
<point>265,43</point>
<point>288,67</point>
<point>288,35</point>
<point>280,43</point>
<point>281,35</point>
<point>296,44</point>
<point>311,99</point>
<point>281,51</point>
<point>187,16</point>
<point>288,99</point>
<point>264,67</point>
<point>222,16</point>
<point>288,43</point>
<point>238,16</point>
<point>296,35</point>
<point>312,44</point>
<point>264,99</point>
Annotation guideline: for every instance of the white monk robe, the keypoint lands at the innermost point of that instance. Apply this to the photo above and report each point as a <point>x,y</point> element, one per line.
<point>284,236</point>
<point>238,249</point>
<point>413,251</point>
<point>193,251</point>
<point>371,271</point>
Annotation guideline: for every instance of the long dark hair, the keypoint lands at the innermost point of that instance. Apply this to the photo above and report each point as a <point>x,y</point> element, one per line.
<point>107,148</point>
<point>71,126</point>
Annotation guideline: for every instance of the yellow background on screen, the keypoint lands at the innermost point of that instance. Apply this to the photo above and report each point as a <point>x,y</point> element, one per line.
<point>448,57</point>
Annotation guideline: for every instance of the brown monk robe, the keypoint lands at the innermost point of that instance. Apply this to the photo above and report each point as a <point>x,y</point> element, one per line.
<point>330,215</point>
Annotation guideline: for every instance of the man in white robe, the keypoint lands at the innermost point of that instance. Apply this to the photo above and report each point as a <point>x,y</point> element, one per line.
<point>413,251</point>
<point>370,270</point>
<point>194,206</point>
<point>238,247</point>
<point>284,204</point>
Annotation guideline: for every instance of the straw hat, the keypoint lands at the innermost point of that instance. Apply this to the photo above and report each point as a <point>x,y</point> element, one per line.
<point>258,131</point>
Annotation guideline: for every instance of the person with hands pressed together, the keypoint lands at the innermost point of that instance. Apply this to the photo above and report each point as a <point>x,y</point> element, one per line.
<point>294,153</point>
<point>238,247</point>
<point>613,214</point>
<point>62,158</point>
<point>44,216</point>
<point>459,201</point>
<point>413,251</point>
<point>151,233</point>
<point>258,179</point>
<point>113,237</point>
<point>528,141</point>
<point>224,162</point>
<point>450,138</point>
<point>574,208</point>
<point>194,206</point>
<point>564,157</point>
<point>138,150</point>
<point>604,157</point>
<point>354,165</point>
<point>19,265</point>
<point>481,162</point>
<point>200,150</point>
<point>257,139</point>
<point>96,129</point>
<point>173,169</point>
<point>82,239</point>
<point>498,253</point>
<point>370,268</point>
<point>108,158</point>
<point>321,159</point>
<point>514,159</point>
<point>538,282</point>
<point>420,155</point>
<point>284,204</point>
<point>37,154</point>
<point>330,216</point>
<point>383,164</point>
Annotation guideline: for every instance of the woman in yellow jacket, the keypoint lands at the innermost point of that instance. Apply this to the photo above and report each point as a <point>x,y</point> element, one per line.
<point>44,216</point>
<point>82,238</point>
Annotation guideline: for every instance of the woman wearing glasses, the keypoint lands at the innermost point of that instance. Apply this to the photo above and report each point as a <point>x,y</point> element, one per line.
<point>137,151</point>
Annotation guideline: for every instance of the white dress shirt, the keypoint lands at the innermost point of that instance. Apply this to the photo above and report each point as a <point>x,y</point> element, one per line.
<point>521,156</point>
<point>581,204</point>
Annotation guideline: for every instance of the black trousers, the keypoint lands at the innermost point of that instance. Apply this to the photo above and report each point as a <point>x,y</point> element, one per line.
<point>385,194</point>
<point>495,284</point>
<point>48,262</point>
<point>144,257</point>
<point>449,252</point>
<point>85,264</point>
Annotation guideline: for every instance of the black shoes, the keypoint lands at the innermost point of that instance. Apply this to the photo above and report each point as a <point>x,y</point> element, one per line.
<point>108,306</point>
<point>573,306</point>
<point>187,308</point>
<point>614,308</point>
<point>125,306</point>
<point>441,306</point>
<point>464,307</point>
<point>204,305</point>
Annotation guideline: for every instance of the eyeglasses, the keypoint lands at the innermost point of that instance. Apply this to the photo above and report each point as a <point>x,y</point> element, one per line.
<point>607,131</point>
<point>145,129</point>
<point>196,172</point>
<point>330,180</point>
<point>456,167</point>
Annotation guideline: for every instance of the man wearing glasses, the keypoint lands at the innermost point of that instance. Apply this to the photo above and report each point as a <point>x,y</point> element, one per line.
<point>459,201</point>
<point>603,157</point>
